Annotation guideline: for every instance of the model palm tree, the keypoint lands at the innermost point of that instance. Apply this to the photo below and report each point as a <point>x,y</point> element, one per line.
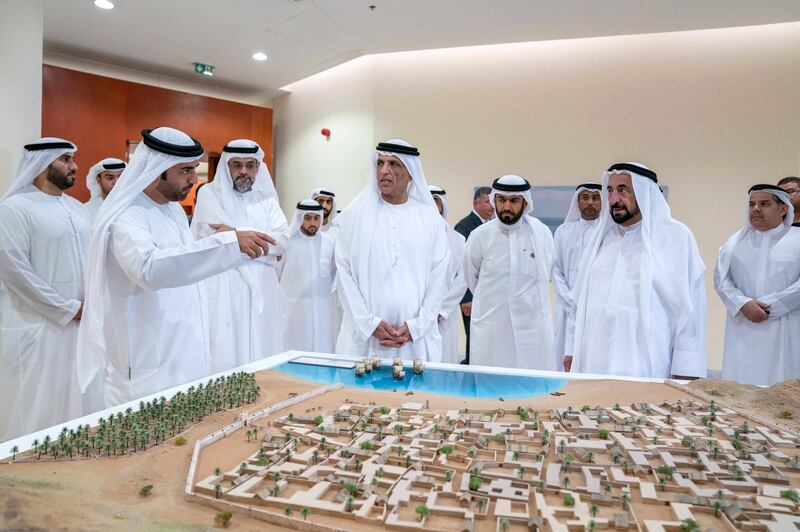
<point>304,512</point>
<point>423,511</point>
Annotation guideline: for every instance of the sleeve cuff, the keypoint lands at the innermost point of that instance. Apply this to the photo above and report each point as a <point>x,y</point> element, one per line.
<point>69,312</point>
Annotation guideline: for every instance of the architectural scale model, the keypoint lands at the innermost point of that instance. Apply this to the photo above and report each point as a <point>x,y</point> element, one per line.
<point>682,465</point>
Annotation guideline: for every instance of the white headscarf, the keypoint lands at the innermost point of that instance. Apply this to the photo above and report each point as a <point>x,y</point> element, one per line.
<point>442,195</point>
<point>91,178</point>
<point>146,165</point>
<point>667,243</point>
<point>317,192</point>
<point>514,181</point>
<point>307,206</point>
<point>574,213</point>
<point>222,185</point>
<point>35,160</point>
<point>727,249</point>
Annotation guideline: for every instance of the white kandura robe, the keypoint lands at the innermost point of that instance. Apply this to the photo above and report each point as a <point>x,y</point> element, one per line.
<point>157,323</point>
<point>764,266</point>
<point>306,276</point>
<point>616,339</point>
<point>43,245</point>
<point>450,315</point>
<point>408,258</point>
<point>508,270</point>
<point>93,207</point>
<point>570,240</point>
<point>246,325</point>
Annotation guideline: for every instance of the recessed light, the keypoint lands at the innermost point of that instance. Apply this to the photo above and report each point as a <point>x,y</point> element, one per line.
<point>104,4</point>
<point>260,56</point>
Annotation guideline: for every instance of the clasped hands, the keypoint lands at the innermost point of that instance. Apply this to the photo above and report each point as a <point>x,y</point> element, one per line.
<point>389,336</point>
<point>252,243</point>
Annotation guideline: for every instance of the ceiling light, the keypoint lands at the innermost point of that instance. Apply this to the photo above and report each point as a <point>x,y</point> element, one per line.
<point>202,68</point>
<point>104,4</point>
<point>260,56</point>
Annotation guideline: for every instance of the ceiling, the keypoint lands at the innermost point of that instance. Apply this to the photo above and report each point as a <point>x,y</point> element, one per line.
<point>303,37</point>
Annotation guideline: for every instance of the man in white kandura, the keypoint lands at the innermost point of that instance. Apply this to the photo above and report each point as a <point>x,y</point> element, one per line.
<point>245,307</point>
<point>449,315</point>
<point>508,263</point>
<point>44,236</point>
<point>327,199</point>
<point>100,181</point>
<point>307,272</point>
<point>640,294</point>
<point>391,261</point>
<point>758,279</point>
<point>570,240</point>
<point>145,322</point>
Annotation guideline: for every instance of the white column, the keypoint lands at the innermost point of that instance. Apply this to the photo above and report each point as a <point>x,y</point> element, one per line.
<point>21,34</point>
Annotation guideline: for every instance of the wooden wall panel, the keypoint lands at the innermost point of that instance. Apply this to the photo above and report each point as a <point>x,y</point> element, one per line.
<point>101,114</point>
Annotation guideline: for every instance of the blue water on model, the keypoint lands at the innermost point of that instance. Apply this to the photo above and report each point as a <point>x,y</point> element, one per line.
<point>444,382</point>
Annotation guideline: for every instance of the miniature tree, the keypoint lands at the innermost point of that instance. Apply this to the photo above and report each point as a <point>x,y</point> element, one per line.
<point>474,483</point>
<point>223,519</point>
<point>602,434</point>
<point>717,507</point>
<point>287,511</point>
<point>607,489</point>
<point>505,525</point>
<point>790,494</point>
<point>689,525</point>
<point>448,475</point>
<point>521,473</point>
<point>593,510</point>
<point>423,511</point>
<point>625,500</point>
<point>481,505</point>
<point>348,504</point>
<point>304,512</point>
<point>217,491</point>
<point>565,482</point>
<point>14,451</point>
<point>569,500</point>
<point>568,460</point>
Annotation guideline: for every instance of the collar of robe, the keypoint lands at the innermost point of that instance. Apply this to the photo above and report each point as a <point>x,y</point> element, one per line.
<point>636,169</point>
<point>589,186</point>
<point>179,150</point>
<point>240,149</point>
<point>50,146</point>
<point>397,148</point>
<point>114,166</point>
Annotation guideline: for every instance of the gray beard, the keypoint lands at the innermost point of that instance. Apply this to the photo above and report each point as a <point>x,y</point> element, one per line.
<point>242,185</point>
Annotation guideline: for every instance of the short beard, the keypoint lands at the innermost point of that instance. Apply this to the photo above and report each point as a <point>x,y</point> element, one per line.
<point>243,184</point>
<point>625,217</point>
<point>60,179</point>
<point>311,231</point>
<point>514,220</point>
<point>172,194</point>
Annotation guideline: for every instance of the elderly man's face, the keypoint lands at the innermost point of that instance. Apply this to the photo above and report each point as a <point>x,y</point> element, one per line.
<point>509,208</point>
<point>243,172</point>
<point>393,178</point>
<point>327,205</point>
<point>107,180</point>
<point>311,223</point>
<point>622,200</point>
<point>61,172</point>
<point>589,204</point>
<point>483,207</point>
<point>766,212</point>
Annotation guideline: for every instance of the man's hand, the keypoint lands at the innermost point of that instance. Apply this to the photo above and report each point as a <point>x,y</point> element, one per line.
<point>78,315</point>
<point>220,228</point>
<point>254,243</point>
<point>385,334</point>
<point>466,308</point>
<point>567,363</point>
<point>404,334</point>
<point>755,311</point>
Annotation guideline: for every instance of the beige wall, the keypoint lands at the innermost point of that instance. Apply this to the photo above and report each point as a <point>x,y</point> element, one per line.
<point>711,111</point>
